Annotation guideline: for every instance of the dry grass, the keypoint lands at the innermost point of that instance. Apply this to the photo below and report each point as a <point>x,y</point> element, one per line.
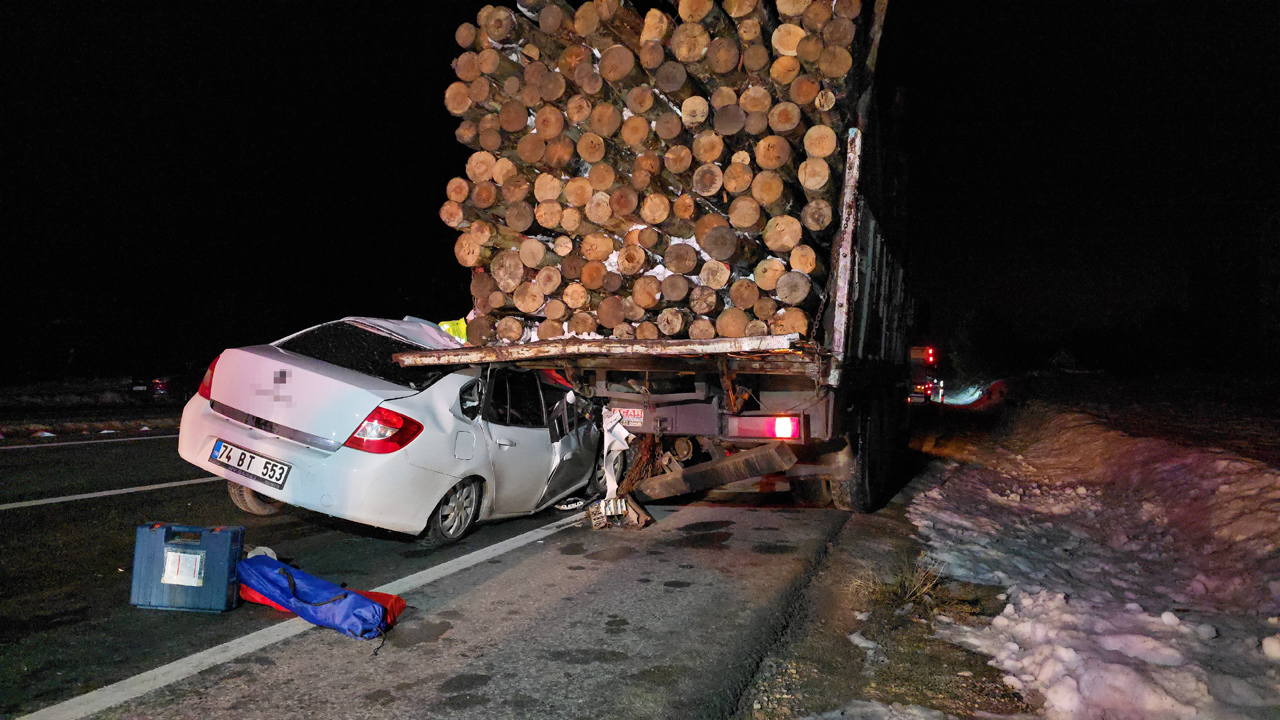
<point>916,583</point>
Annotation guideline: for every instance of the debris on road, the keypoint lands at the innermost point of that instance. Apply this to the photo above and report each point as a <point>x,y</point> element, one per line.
<point>356,613</point>
<point>183,567</point>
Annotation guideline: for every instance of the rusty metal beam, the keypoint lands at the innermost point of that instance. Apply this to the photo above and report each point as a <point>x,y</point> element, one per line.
<point>605,347</point>
<point>843,259</point>
<point>771,458</point>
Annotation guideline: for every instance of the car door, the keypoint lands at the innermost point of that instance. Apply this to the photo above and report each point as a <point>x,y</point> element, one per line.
<point>519,441</point>
<point>575,442</point>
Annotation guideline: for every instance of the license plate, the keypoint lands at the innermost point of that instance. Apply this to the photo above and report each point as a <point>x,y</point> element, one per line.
<point>250,464</point>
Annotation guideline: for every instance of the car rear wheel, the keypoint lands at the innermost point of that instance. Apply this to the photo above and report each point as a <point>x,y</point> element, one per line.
<point>454,517</point>
<point>251,502</point>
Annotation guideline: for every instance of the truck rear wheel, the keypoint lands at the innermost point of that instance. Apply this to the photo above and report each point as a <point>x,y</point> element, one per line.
<point>865,465</point>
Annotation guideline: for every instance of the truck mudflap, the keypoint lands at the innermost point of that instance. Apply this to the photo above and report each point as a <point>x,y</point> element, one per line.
<point>774,457</point>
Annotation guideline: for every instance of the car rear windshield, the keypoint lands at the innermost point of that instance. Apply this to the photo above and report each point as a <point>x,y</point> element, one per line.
<point>357,348</point>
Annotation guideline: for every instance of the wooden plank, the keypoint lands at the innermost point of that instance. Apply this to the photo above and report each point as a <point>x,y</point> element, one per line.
<point>773,457</point>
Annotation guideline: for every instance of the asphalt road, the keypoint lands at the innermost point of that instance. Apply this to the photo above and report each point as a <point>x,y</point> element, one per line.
<point>66,625</point>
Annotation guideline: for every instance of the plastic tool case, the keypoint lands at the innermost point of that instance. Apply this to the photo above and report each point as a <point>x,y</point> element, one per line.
<point>180,567</point>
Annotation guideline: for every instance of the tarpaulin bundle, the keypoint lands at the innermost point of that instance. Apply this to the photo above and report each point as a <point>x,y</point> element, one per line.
<point>356,613</point>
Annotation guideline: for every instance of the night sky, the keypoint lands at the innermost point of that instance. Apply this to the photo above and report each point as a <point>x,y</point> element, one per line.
<point>184,177</point>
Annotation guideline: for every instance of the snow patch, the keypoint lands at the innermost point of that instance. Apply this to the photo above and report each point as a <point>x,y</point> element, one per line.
<point>1138,572</point>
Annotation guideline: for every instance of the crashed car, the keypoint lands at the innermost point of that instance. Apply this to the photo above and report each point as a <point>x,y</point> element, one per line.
<point>325,420</point>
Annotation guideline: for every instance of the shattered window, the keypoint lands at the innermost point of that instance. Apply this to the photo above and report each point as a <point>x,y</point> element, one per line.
<point>350,346</point>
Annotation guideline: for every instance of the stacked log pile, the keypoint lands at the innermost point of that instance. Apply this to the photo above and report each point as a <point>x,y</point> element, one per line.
<point>669,174</point>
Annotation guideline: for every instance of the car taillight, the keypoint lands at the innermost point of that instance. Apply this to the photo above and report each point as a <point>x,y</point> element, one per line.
<point>206,385</point>
<point>384,431</point>
<point>781,427</point>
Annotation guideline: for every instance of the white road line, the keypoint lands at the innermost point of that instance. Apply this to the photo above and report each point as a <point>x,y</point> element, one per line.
<point>84,442</point>
<point>105,493</point>
<point>138,685</point>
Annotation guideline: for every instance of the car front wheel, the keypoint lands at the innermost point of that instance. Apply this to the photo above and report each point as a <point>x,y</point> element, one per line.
<point>454,516</point>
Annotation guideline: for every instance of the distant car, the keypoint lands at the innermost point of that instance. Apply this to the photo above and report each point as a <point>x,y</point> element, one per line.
<point>325,420</point>
<point>145,388</point>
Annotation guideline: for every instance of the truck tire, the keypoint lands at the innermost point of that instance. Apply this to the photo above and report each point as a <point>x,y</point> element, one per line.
<point>849,485</point>
<point>251,502</point>
<point>868,459</point>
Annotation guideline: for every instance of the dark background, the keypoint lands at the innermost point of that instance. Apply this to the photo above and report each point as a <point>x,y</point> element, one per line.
<point>183,177</point>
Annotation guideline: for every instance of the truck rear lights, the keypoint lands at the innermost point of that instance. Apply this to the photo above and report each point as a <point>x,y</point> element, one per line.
<point>384,431</point>
<point>206,384</point>
<point>780,427</point>
<point>786,427</point>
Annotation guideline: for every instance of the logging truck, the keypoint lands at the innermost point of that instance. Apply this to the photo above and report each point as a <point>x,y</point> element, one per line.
<point>699,254</point>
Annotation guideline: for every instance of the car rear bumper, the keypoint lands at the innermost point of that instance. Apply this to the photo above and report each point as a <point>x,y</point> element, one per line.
<point>384,491</point>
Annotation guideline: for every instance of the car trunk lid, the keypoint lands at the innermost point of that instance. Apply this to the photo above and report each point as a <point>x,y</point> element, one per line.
<point>298,397</point>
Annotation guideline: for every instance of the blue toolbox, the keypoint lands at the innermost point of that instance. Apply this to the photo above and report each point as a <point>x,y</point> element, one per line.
<point>181,567</point>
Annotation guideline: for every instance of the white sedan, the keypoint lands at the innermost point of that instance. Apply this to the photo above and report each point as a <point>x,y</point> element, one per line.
<point>325,420</point>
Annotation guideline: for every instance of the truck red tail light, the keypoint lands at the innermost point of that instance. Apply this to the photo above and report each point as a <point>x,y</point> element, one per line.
<point>786,427</point>
<point>384,431</point>
<point>779,427</point>
<point>206,385</point>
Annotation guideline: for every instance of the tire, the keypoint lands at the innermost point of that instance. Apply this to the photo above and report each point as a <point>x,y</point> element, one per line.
<point>251,502</point>
<point>868,459</point>
<point>455,516</point>
<point>850,489</point>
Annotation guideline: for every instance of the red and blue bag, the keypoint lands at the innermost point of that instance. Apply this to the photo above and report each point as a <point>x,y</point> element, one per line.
<point>358,614</point>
